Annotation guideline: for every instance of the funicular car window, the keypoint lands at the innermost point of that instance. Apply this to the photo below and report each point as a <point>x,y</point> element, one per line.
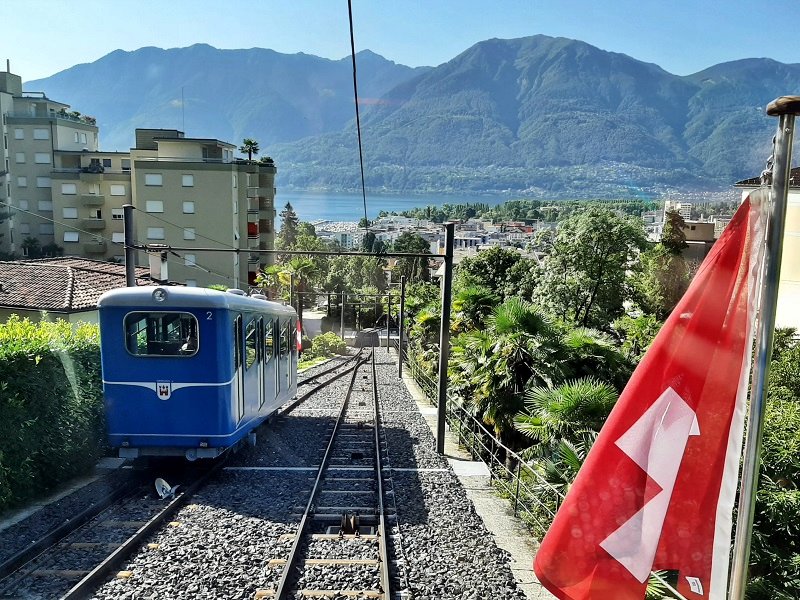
<point>161,334</point>
<point>285,339</point>
<point>269,349</point>
<point>251,344</point>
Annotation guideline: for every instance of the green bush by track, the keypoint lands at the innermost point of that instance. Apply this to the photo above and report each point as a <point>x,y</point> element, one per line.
<point>51,406</point>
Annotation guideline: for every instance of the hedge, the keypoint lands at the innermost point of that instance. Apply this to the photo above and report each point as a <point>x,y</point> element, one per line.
<point>52,426</point>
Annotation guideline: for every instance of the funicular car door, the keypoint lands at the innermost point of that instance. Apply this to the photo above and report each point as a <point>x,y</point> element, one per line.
<point>270,361</point>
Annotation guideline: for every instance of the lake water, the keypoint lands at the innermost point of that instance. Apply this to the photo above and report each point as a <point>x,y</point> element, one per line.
<point>311,206</point>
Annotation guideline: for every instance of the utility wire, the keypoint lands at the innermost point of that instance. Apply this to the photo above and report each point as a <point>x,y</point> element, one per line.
<point>176,225</point>
<point>358,117</point>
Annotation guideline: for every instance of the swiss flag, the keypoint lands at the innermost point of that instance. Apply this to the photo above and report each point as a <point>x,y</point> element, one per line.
<point>656,492</point>
<point>299,336</point>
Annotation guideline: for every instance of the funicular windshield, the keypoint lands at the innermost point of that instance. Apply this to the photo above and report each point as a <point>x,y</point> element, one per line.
<point>161,334</point>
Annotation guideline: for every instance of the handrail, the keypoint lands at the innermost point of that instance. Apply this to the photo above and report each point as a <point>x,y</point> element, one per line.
<point>539,499</point>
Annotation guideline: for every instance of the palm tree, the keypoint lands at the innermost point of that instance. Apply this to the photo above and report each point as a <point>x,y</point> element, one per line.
<point>573,412</point>
<point>471,306</point>
<point>250,146</point>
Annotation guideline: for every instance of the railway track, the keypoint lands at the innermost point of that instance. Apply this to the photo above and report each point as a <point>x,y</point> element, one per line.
<point>337,364</point>
<point>70,561</point>
<point>341,548</point>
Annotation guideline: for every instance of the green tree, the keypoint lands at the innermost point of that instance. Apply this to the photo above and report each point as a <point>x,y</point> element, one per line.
<point>673,237</point>
<point>289,228</point>
<point>471,306</point>
<point>31,247</point>
<point>249,147</point>
<point>490,268</point>
<point>415,269</point>
<point>663,278</point>
<point>584,280</point>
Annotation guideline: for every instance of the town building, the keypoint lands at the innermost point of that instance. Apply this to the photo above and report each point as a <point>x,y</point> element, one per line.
<point>60,189</point>
<point>789,285</point>
<point>59,288</point>
<point>35,129</point>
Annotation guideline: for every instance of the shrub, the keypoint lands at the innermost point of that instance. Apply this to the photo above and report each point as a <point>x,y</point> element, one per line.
<point>326,345</point>
<point>51,408</point>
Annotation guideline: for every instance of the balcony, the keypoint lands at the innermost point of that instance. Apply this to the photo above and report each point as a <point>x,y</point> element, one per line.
<point>95,248</point>
<point>265,204</point>
<point>252,230</point>
<point>92,200</point>
<point>87,177</point>
<point>258,192</point>
<point>93,224</point>
<point>253,259</point>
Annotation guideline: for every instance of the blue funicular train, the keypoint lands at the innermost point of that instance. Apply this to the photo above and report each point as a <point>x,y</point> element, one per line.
<point>192,371</point>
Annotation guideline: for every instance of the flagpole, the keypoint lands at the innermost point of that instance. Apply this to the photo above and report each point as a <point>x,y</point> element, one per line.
<point>786,108</point>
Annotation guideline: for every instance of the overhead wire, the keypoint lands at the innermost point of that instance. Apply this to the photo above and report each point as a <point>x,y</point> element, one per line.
<point>358,116</point>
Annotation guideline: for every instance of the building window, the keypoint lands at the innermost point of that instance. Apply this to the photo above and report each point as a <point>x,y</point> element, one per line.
<point>19,134</point>
<point>77,139</point>
<point>234,181</point>
<point>45,205</point>
<point>188,208</point>
<point>117,214</point>
<point>126,164</point>
<point>117,189</point>
<point>69,212</point>
<point>96,213</point>
<point>45,229</point>
<point>154,206</point>
<point>187,181</point>
<point>152,178</point>
<point>24,229</point>
<point>22,182</point>
<point>41,134</point>
<point>20,158</point>
<point>106,163</point>
<point>188,233</point>
<point>83,138</point>
<point>43,182</point>
<point>189,260</point>
<point>71,236</point>
<point>69,189</point>
<point>41,158</point>
<point>23,204</point>
<point>155,233</point>
<point>118,237</point>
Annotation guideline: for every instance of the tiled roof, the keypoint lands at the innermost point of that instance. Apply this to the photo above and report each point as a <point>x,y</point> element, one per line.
<point>63,284</point>
<point>794,179</point>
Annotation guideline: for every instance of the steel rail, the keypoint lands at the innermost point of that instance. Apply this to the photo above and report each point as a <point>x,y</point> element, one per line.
<point>282,590</point>
<point>295,403</point>
<point>54,536</point>
<point>382,535</point>
<point>86,586</point>
<point>335,367</point>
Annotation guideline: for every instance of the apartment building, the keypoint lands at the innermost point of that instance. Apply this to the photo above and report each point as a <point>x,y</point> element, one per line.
<point>186,192</point>
<point>35,129</point>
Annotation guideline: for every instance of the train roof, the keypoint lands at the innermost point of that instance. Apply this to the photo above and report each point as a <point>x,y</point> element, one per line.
<point>189,297</point>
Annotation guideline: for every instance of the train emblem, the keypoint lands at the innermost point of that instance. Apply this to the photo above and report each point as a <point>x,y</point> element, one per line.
<point>164,389</point>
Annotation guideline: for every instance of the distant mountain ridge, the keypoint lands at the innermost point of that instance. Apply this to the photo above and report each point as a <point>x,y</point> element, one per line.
<point>538,116</point>
<point>228,94</point>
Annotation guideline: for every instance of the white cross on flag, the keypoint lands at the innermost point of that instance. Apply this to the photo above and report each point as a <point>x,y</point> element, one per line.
<point>656,492</point>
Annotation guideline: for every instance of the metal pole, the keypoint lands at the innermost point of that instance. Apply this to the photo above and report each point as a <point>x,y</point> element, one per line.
<point>388,316</point>
<point>444,335</point>
<point>130,252</point>
<point>400,327</point>
<point>341,315</point>
<point>786,108</point>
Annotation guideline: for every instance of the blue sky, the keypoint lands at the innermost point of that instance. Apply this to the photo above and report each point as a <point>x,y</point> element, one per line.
<point>42,37</point>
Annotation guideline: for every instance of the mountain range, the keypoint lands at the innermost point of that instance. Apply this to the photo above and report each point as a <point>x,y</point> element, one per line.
<point>535,116</point>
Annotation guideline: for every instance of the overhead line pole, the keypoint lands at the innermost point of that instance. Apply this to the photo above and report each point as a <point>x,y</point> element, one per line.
<point>444,335</point>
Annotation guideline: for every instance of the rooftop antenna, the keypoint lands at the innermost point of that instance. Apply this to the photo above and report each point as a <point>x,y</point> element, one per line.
<point>183,111</point>
<point>8,65</point>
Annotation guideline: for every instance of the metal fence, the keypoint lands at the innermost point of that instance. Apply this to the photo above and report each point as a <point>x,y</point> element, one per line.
<point>533,498</point>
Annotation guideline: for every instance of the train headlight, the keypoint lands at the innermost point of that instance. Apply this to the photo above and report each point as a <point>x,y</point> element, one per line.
<point>159,294</point>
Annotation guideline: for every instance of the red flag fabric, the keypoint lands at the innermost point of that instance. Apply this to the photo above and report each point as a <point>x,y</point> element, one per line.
<point>656,491</point>
<point>299,336</point>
